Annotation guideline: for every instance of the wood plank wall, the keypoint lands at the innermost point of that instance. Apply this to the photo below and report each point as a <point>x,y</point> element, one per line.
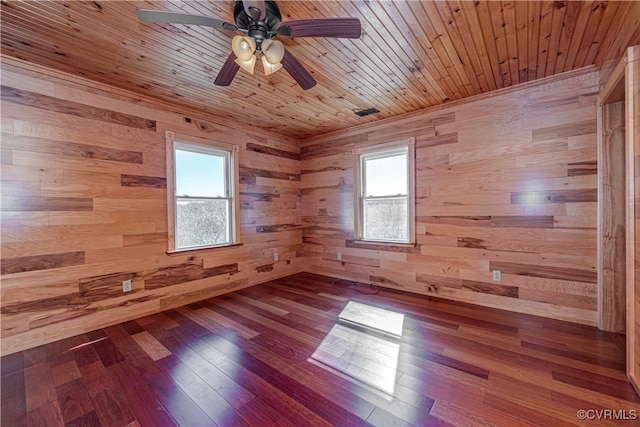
<point>506,182</point>
<point>612,194</point>
<point>84,208</point>
<point>612,230</point>
<point>633,248</point>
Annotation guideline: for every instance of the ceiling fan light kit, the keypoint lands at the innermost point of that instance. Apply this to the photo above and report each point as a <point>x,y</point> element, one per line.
<point>273,51</point>
<point>247,65</point>
<point>269,68</point>
<point>244,49</point>
<point>259,21</point>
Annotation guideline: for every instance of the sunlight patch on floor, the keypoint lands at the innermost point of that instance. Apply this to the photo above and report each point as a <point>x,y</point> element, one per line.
<point>364,345</point>
<point>368,316</point>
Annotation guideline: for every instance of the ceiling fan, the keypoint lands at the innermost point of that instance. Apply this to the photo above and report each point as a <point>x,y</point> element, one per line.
<point>259,21</point>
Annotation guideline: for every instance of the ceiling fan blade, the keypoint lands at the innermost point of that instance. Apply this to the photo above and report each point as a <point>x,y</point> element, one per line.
<point>297,71</point>
<point>147,15</point>
<point>258,4</point>
<point>349,28</point>
<point>227,72</point>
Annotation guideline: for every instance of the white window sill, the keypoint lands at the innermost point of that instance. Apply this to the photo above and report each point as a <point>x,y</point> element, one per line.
<point>385,243</point>
<point>206,248</point>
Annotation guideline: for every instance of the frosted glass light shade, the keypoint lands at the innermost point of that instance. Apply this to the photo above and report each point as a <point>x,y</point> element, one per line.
<point>268,67</point>
<point>273,51</point>
<point>247,65</point>
<point>243,47</point>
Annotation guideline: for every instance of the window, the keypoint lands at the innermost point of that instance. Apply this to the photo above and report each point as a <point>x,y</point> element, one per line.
<point>202,195</point>
<point>385,200</point>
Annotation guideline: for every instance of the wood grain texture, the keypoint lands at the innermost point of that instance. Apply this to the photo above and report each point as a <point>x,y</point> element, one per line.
<point>143,181</point>
<point>258,148</point>
<point>251,358</point>
<point>411,56</point>
<point>43,262</point>
<point>554,196</point>
<point>612,227</point>
<point>84,208</point>
<point>46,204</point>
<point>500,185</point>
<point>187,272</point>
<point>50,103</point>
<point>63,148</point>
<point>632,111</point>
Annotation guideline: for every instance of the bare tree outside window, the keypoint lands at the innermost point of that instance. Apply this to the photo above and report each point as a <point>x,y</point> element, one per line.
<point>203,200</point>
<point>202,223</point>
<point>384,197</point>
<point>385,219</point>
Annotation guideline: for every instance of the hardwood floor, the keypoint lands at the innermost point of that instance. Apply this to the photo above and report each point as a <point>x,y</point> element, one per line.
<point>245,359</point>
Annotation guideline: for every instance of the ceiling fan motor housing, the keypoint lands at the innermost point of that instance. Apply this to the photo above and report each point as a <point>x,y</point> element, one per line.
<point>258,29</point>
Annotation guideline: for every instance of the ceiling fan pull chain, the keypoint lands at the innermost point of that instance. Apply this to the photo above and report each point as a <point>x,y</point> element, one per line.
<point>257,53</point>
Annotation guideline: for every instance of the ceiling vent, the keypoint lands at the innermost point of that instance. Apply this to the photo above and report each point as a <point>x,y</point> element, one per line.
<point>367,112</point>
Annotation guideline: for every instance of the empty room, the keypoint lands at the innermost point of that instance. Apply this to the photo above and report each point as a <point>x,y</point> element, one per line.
<point>316,213</point>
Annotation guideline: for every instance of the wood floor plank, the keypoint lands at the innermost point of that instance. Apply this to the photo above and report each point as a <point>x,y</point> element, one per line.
<point>85,355</point>
<point>259,304</point>
<point>270,393</point>
<point>143,403</point>
<point>258,412</point>
<point>521,411</point>
<point>49,414</point>
<point>12,363</point>
<point>112,408</point>
<point>277,355</point>
<point>13,400</point>
<point>34,356</point>
<point>107,396</point>
<point>151,346</point>
<point>228,323</point>
<point>90,419</point>
<point>221,412</point>
<point>598,383</point>
<point>207,370</point>
<point>298,385</point>
<point>74,400</point>
<point>406,404</point>
<point>252,317</point>
<point>105,348</point>
<point>40,387</point>
<point>66,372</point>
<point>178,403</point>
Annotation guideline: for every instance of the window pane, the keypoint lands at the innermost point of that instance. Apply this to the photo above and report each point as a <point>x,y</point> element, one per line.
<point>200,175</point>
<point>202,223</point>
<point>386,176</point>
<point>385,219</point>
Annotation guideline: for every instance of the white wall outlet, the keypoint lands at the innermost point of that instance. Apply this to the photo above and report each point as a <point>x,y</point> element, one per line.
<point>339,256</point>
<point>275,256</point>
<point>126,286</point>
<point>497,275</point>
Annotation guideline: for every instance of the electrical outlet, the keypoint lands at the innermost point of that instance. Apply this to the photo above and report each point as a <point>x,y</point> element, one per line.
<point>275,256</point>
<point>126,286</point>
<point>497,275</point>
<point>339,256</point>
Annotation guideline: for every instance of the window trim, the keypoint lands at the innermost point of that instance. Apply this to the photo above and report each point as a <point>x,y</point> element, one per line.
<point>384,150</point>
<point>204,146</point>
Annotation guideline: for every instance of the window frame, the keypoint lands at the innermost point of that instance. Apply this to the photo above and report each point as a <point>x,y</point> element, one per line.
<point>208,147</point>
<point>383,150</point>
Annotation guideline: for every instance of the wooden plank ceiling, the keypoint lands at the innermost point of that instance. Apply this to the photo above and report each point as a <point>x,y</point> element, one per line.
<point>411,55</point>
